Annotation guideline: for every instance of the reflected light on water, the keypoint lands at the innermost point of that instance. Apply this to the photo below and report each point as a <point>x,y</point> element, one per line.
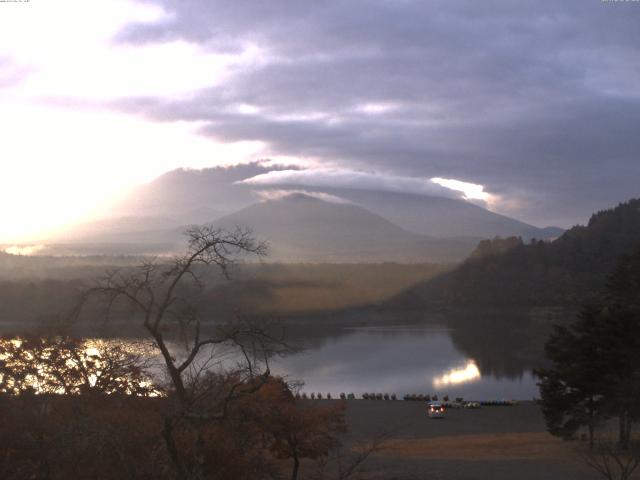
<point>61,366</point>
<point>24,249</point>
<point>469,373</point>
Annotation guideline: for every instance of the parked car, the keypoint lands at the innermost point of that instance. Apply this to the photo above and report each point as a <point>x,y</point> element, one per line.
<point>435,410</point>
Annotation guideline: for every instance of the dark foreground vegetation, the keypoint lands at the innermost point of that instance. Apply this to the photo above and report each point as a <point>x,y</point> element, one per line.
<point>211,410</point>
<point>595,374</point>
<point>90,431</point>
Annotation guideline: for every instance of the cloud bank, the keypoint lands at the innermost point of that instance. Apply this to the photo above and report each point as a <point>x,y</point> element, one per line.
<point>352,179</point>
<point>270,195</point>
<point>537,101</point>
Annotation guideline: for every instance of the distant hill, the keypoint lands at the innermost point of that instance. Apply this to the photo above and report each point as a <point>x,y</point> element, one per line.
<point>513,273</point>
<point>441,216</point>
<point>299,227</point>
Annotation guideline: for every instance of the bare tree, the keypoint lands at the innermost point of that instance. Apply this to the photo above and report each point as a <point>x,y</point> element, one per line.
<point>348,463</point>
<point>612,461</point>
<point>162,296</point>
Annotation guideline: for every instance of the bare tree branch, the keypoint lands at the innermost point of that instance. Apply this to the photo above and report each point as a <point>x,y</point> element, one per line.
<point>611,461</point>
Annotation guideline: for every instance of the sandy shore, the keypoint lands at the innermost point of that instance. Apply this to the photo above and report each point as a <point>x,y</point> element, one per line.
<point>488,443</point>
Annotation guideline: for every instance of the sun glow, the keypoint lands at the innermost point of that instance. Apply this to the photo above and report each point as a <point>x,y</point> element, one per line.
<point>377,108</point>
<point>56,175</point>
<point>67,144</point>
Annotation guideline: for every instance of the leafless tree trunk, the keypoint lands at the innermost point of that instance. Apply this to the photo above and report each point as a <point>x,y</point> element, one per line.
<point>156,292</point>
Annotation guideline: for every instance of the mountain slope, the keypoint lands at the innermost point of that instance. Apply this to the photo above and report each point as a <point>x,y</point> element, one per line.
<point>299,228</point>
<point>200,196</point>
<point>302,228</point>
<point>510,273</point>
<point>191,196</point>
<point>441,216</point>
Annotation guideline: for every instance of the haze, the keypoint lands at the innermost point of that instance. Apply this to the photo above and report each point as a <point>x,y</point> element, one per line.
<point>326,239</point>
<point>533,106</point>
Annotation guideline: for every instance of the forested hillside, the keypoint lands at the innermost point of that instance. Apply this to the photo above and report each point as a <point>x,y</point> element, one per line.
<point>508,272</point>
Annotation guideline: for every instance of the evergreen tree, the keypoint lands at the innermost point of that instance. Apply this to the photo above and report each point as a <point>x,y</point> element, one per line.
<point>595,372</point>
<point>574,388</point>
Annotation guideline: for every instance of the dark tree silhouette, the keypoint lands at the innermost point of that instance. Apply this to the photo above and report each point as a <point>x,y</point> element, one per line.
<point>300,430</point>
<point>595,371</point>
<point>162,296</point>
<point>66,365</point>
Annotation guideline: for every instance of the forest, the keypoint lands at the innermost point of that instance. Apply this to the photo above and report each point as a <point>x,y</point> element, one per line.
<point>512,273</point>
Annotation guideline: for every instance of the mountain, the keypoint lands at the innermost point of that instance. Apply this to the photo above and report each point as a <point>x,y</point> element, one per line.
<point>149,219</point>
<point>184,197</point>
<point>191,196</point>
<point>177,198</point>
<point>300,227</point>
<point>508,272</point>
<point>440,216</point>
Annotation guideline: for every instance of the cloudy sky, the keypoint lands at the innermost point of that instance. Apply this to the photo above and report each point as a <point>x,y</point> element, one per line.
<point>536,103</point>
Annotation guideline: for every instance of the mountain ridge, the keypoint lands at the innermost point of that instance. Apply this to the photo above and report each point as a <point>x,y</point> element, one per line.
<point>510,273</point>
<point>300,227</point>
<point>439,216</point>
<point>183,196</point>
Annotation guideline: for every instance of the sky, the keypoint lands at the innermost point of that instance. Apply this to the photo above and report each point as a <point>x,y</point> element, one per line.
<point>532,107</point>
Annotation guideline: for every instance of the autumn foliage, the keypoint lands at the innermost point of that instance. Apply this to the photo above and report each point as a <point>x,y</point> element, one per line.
<point>67,418</point>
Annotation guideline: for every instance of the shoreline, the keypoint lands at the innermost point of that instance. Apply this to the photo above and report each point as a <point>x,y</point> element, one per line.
<point>489,442</point>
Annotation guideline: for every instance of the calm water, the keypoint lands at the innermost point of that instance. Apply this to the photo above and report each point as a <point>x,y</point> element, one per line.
<point>401,360</point>
<point>411,359</point>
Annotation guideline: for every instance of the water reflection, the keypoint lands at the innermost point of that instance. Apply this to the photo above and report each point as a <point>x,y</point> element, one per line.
<point>63,365</point>
<point>399,359</point>
<point>483,357</point>
<point>468,373</point>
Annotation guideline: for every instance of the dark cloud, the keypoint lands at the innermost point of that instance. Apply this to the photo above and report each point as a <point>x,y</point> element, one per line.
<point>539,101</point>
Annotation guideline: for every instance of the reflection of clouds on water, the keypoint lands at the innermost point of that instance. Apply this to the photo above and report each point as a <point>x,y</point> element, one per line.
<point>468,373</point>
<point>396,360</point>
<point>368,360</point>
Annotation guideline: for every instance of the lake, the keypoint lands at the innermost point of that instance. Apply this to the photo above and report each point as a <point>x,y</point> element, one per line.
<point>397,359</point>
<point>403,359</point>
